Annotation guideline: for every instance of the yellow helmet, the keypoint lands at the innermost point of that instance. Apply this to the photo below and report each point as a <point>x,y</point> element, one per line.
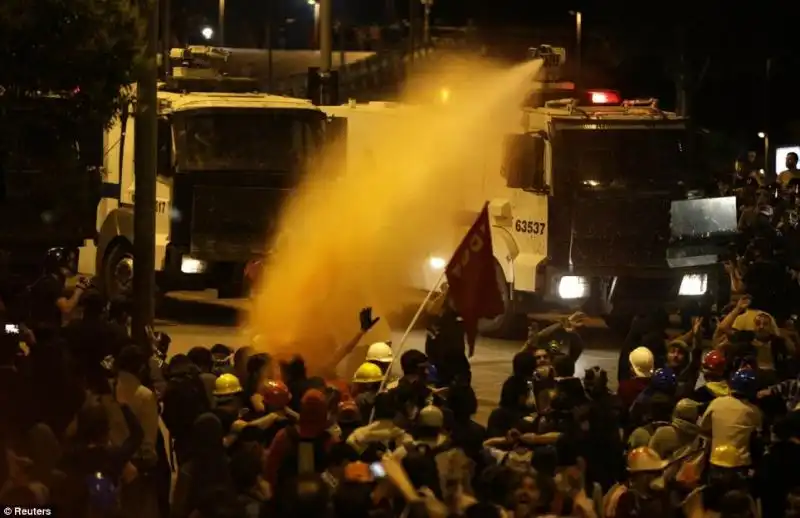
<point>227,385</point>
<point>368,373</point>
<point>727,456</point>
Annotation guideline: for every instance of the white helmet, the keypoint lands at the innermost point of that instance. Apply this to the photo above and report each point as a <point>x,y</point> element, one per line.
<point>641,360</point>
<point>380,352</point>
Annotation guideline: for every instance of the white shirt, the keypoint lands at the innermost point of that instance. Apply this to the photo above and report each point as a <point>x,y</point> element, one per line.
<point>732,421</point>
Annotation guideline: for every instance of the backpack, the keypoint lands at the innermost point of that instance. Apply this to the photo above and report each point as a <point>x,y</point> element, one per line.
<point>185,399</point>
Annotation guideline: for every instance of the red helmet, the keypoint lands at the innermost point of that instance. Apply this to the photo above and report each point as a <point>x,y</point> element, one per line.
<point>275,393</point>
<point>348,412</point>
<point>714,362</point>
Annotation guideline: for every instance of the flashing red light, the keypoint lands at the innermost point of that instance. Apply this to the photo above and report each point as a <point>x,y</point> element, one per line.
<point>604,97</point>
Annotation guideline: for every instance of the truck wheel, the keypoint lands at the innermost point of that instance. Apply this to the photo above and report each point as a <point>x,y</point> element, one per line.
<point>117,273</point>
<point>505,325</point>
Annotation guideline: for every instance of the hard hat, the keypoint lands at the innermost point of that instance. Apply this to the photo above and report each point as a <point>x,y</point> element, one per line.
<point>275,393</point>
<point>743,381</point>
<point>645,459</point>
<point>687,410</point>
<point>348,412</point>
<point>727,456</point>
<point>431,416</point>
<point>685,416</point>
<point>57,258</point>
<point>227,385</point>
<point>380,352</point>
<point>714,362</point>
<point>641,360</point>
<point>368,373</point>
<point>664,380</point>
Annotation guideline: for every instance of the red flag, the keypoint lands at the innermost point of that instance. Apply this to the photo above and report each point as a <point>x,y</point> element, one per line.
<point>472,277</point>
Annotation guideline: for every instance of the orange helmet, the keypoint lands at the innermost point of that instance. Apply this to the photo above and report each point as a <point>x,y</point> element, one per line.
<point>644,459</point>
<point>349,412</point>
<point>714,362</point>
<point>275,393</point>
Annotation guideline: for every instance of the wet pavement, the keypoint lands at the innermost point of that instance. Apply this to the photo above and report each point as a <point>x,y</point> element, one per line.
<point>191,322</point>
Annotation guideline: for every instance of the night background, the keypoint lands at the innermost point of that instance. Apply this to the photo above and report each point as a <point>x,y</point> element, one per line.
<point>720,50</point>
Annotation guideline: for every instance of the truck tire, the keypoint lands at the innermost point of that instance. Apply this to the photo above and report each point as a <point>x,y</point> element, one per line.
<point>507,325</point>
<point>116,276</point>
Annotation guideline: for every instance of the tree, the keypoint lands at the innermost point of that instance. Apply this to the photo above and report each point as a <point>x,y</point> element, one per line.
<point>64,66</point>
<point>82,50</point>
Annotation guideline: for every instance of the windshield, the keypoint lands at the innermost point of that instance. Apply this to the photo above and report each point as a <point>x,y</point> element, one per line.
<point>600,158</point>
<point>251,139</point>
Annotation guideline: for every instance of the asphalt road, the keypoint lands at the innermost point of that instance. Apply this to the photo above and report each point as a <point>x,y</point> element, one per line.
<point>192,322</point>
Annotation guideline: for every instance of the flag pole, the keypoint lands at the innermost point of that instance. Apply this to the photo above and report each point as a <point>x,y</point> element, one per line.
<point>396,354</point>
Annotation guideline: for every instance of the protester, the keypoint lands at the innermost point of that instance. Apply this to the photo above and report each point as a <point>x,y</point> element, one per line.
<point>704,421</point>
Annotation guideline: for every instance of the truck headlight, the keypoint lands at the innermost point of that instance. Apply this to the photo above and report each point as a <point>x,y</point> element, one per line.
<point>572,287</point>
<point>191,265</point>
<point>693,285</point>
<point>437,263</point>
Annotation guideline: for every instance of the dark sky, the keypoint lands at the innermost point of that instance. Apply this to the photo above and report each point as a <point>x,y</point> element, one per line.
<point>722,48</point>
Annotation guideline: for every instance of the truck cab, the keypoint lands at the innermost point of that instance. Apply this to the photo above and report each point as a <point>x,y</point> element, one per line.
<point>228,158</point>
<point>602,210</point>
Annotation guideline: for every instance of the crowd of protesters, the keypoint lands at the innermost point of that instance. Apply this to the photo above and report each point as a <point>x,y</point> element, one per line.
<point>703,423</point>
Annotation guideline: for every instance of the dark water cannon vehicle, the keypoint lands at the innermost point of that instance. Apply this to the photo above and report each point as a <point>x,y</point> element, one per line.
<point>603,210</point>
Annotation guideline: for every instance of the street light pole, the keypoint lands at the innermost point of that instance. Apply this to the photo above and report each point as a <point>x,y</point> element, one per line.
<point>578,48</point>
<point>166,37</point>
<point>221,23</point>
<point>325,35</point>
<point>146,160</point>
<point>270,14</point>
<point>767,118</point>
<point>426,23</point>
<point>412,27</point>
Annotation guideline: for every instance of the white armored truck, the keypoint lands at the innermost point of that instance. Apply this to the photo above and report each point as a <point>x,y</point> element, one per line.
<point>228,156</point>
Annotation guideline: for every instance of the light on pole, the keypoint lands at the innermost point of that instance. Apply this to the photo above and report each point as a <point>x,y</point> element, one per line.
<point>426,22</point>
<point>578,44</point>
<point>207,32</point>
<point>314,4</point>
<point>765,137</point>
<point>221,24</point>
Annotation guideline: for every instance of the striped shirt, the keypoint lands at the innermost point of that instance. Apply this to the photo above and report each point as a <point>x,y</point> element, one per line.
<point>789,390</point>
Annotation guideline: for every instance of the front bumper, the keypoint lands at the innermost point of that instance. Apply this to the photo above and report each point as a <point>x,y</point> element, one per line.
<point>630,292</point>
<point>183,271</point>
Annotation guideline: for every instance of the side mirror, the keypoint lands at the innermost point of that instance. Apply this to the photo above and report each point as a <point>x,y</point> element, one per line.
<point>523,162</point>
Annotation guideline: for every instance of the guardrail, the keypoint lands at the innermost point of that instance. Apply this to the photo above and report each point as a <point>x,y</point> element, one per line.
<point>378,71</point>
